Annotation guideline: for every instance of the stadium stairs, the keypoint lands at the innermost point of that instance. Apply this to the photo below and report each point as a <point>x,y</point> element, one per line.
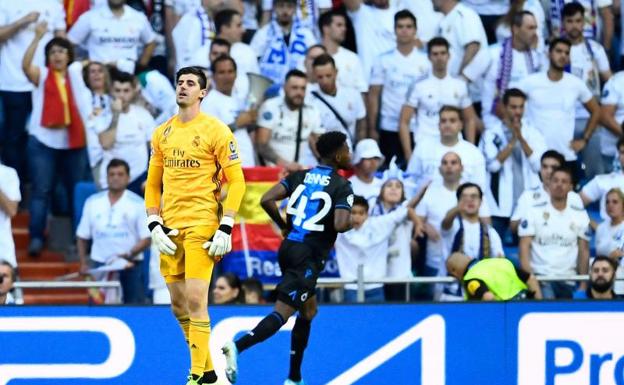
<point>47,267</point>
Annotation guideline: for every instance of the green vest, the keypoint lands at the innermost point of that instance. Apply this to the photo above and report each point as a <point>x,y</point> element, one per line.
<point>499,274</point>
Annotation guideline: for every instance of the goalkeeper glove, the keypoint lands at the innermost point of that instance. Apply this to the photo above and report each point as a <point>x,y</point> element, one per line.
<point>221,242</point>
<point>161,234</point>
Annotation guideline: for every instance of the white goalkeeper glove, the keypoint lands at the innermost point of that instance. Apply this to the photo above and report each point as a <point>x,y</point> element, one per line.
<point>221,242</point>
<point>161,234</point>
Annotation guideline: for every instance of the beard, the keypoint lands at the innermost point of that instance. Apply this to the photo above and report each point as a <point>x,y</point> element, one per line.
<point>601,285</point>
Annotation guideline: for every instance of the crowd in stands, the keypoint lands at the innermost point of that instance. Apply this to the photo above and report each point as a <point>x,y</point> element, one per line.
<point>486,128</point>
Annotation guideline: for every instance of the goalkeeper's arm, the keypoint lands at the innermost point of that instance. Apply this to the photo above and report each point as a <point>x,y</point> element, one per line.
<point>160,233</point>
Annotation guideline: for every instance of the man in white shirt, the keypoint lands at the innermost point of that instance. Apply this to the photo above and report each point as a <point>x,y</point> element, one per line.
<point>220,103</point>
<point>341,108</point>
<point>427,156</point>
<point>612,119</point>
<point>17,26</point>
<point>366,161</point>
<point>462,28</point>
<point>9,199</point>
<point>288,128</point>
<point>552,98</point>
<point>113,221</point>
<point>333,28</point>
<point>7,279</point>
<point>512,149</point>
<point>113,32</point>
<point>462,230</point>
<point>539,194</point>
<point>589,62</point>
<point>307,15</point>
<point>282,44</point>
<point>511,61</point>
<point>598,23</point>
<point>229,26</point>
<point>554,238</point>
<point>598,187</point>
<point>373,24</point>
<point>392,75</point>
<point>428,95</point>
<point>490,13</point>
<point>125,133</point>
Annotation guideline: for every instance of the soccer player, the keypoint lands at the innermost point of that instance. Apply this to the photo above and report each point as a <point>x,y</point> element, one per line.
<point>192,229</point>
<point>319,207</point>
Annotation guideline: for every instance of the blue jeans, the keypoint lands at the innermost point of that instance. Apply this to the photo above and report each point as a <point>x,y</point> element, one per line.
<point>557,290</point>
<point>45,165</point>
<point>371,295</point>
<point>13,135</point>
<point>131,281</point>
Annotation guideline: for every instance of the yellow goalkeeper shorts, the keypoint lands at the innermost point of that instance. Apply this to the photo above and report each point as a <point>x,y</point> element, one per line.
<point>190,260</point>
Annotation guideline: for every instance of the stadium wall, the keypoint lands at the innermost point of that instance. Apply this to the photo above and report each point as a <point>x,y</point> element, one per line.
<point>551,343</point>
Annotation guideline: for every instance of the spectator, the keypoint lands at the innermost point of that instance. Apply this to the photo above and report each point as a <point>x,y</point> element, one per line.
<point>156,95</point>
<point>554,238</point>
<point>194,31</point>
<point>228,290</point>
<point>503,29</point>
<point>307,14</point>
<point>333,29</point>
<point>366,161</point>
<point>7,279</point>
<point>125,133</point>
<point>220,103</point>
<point>367,244</point>
<point>115,31</point>
<point>428,19</point>
<point>539,194</point>
<point>426,158</point>
<point>288,127</point>
<point>490,13</point>
<point>492,279</point>
<point>439,198</point>
<point>589,62</point>
<point>598,27</point>
<point>552,97</point>
<point>17,19</point>
<point>512,60</point>
<point>57,138</point>
<point>462,230</point>
<point>597,188</point>
<point>428,95</point>
<point>610,234</point>
<point>9,199</point>
<point>313,52</point>
<point>399,257</point>
<point>612,118</point>
<point>392,74</point>
<point>463,29</point>
<point>252,291</point>
<point>373,24</point>
<point>601,280</point>
<point>281,45</point>
<point>119,240</point>
<point>341,108</point>
<point>513,149</point>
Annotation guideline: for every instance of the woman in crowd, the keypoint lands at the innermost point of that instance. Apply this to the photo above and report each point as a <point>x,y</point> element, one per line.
<point>610,234</point>
<point>228,290</point>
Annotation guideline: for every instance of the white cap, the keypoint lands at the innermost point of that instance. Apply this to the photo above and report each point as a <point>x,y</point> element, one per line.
<point>365,149</point>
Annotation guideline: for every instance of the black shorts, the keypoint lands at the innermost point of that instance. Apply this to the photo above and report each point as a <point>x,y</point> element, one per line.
<point>300,266</point>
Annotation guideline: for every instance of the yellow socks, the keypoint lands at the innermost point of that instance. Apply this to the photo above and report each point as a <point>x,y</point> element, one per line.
<point>184,322</point>
<point>199,337</point>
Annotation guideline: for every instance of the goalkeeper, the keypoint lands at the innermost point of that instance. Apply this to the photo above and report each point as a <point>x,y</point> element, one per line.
<point>192,229</point>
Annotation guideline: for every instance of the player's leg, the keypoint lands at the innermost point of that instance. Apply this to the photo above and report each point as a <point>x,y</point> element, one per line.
<point>199,268</point>
<point>179,307</point>
<point>172,269</point>
<point>299,339</point>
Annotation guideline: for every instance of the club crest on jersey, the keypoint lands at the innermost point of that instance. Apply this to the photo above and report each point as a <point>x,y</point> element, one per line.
<point>196,141</point>
<point>350,200</point>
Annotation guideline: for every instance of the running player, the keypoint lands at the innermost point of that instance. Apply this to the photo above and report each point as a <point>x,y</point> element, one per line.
<point>319,207</point>
<point>190,154</point>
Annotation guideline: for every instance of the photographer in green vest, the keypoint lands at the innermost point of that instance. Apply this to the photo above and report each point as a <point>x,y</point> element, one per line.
<point>492,279</point>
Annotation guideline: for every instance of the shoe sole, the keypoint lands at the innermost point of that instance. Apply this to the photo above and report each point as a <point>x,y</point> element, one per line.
<point>231,366</point>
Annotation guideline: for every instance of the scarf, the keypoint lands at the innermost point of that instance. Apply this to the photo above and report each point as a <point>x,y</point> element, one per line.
<point>484,245</point>
<point>505,67</point>
<point>206,25</point>
<point>73,10</point>
<point>60,111</point>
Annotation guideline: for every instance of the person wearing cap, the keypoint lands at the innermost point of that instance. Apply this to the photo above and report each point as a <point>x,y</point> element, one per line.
<point>366,160</point>
<point>281,45</point>
<point>492,279</point>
